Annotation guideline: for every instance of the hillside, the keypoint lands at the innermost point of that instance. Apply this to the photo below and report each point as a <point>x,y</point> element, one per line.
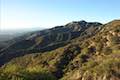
<point>76,51</point>
<point>47,40</point>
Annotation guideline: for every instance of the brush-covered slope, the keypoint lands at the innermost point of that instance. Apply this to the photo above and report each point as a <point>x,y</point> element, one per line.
<point>96,57</point>
<point>47,40</point>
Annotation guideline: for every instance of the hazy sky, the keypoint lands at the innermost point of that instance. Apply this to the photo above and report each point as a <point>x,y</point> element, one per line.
<point>18,14</point>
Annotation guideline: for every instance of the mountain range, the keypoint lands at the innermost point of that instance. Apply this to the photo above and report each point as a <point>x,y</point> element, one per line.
<point>79,50</point>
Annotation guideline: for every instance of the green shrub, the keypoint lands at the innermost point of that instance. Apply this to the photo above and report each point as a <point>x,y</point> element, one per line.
<point>85,51</point>
<point>13,72</point>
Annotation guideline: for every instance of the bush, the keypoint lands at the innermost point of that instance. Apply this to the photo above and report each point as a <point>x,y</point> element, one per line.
<point>99,47</point>
<point>83,58</point>
<point>115,40</point>
<point>107,50</point>
<point>85,51</point>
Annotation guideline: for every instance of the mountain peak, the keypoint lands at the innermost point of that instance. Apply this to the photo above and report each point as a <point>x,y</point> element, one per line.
<point>81,25</point>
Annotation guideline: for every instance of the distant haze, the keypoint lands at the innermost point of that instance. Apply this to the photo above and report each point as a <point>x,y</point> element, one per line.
<point>10,34</point>
<point>19,31</point>
<point>25,14</point>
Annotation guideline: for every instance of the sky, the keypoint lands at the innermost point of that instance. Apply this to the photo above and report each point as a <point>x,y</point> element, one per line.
<point>24,14</point>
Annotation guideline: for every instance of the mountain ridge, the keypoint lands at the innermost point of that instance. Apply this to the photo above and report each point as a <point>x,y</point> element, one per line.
<point>93,55</point>
<point>51,38</point>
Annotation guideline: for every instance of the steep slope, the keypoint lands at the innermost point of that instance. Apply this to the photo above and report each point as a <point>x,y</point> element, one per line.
<point>46,40</point>
<point>96,57</point>
<point>100,56</point>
